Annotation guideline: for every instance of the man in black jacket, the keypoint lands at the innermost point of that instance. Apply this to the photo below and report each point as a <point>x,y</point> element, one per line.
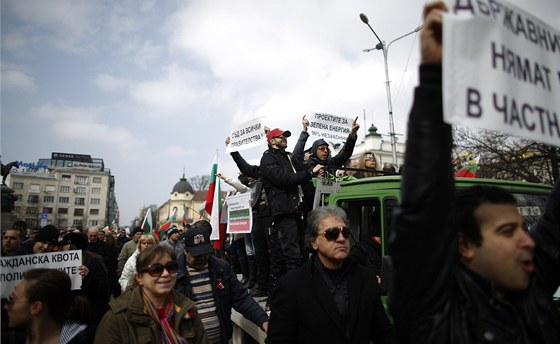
<point>465,268</point>
<point>330,299</point>
<point>283,179</point>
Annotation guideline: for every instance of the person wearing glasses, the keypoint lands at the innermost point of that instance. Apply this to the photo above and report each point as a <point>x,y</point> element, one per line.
<point>368,164</point>
<point>126,279</point>
<point>151,312</point>
<point>216,290</point>
<point>330,299</point>
<point>320,153</point>
<point>43,305</point>
<point>284,179</point>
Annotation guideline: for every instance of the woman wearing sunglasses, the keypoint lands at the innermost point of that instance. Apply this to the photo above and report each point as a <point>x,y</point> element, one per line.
<point>368,163</point>
<point>330,299</point>
<point>151,312</point>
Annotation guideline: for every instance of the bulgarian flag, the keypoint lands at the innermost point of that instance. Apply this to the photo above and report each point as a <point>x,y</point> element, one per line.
<point>469,171</point>
<point>163,229</point>
<point>214,204</point>
<point>184,220</point>
<point>147,223</point>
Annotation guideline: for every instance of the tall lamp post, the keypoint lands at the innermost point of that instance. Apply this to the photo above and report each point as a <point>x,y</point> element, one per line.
<point>385,48</point>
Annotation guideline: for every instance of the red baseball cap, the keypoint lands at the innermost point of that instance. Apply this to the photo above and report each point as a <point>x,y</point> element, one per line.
<point>277,132</point>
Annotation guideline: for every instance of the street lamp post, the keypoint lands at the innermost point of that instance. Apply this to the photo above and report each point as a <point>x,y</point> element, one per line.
<point>385,48</point>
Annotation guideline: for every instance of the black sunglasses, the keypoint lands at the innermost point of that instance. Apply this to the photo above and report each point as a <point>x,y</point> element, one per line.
<point>331,234</point>
<point>156,269</point>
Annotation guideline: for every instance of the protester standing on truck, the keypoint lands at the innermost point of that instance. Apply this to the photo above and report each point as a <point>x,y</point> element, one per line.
<point>330,299</point>
<point>465,268</point>
<point>283,179</point>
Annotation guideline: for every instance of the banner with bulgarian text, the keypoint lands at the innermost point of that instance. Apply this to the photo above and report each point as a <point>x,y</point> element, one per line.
<point>240,215</point>
<point>329,127</point>
<point>501,70</point>
<point>13,268</point>
<point>247,135</point>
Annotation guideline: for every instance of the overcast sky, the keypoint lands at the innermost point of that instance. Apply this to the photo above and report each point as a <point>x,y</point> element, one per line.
<point>153,87</point>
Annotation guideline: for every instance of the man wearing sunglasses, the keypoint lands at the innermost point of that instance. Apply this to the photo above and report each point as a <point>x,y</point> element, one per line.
<point>283,180</point>
<point>330,299</point>
<point>211,283</point>
<point>320,151</point>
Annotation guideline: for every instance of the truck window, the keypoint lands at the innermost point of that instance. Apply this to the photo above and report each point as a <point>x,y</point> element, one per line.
<point>390,203</point>
<point>365,217</point>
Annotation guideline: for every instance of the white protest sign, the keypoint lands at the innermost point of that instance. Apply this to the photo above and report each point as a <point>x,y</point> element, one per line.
<point>247,135</point>
<point>13,268</point>
<point>501,70</point>
<point>334,128</point>
<point>240,216</point>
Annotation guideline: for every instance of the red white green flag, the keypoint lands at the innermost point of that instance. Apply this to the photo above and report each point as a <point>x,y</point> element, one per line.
<point>147,223</point>
<point>163,229</point>
<point>469,171</point>
<point>213,201</point>
<point>184,220</point>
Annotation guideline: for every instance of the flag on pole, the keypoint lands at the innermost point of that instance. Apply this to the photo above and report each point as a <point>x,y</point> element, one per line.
<point>147,223</point>
<point>469,171</point>
<point>213,201</point>
<point>163,229</point>
<point>184,221</point>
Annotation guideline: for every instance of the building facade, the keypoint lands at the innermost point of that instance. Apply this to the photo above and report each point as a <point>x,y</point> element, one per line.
<point>67,190</point>
<point>374,142</point>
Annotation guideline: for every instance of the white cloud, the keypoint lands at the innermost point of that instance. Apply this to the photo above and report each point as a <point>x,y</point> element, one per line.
<point>83,125</point>
<point>109,83</point>
<point>18,81</point>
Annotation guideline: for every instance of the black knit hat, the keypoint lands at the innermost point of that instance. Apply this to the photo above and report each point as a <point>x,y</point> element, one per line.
<point>49,233</point>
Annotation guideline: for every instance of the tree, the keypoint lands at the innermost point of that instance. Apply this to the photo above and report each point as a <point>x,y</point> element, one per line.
<point>503,156</point>
<point>137,222</point>
<point>199,183</point>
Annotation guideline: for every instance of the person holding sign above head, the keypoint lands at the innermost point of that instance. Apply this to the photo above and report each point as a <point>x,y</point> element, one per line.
<point>465,267</point>
<point>320,151</point>
<point>43,304</point>
<point>283,180</point>
<point>151,312</point>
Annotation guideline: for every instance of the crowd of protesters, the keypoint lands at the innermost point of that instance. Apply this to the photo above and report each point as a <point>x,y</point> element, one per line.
<point>465,269</point>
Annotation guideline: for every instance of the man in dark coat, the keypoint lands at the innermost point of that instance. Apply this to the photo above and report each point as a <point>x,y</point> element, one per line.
<point>211,283</point>
<point>330,299</point>
<point>283,179</point>
<point>466,269</point>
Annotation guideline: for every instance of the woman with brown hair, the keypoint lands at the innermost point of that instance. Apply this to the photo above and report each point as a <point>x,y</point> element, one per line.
<point>151,312</point>
<point>367,162</point>
<point>43,304</point>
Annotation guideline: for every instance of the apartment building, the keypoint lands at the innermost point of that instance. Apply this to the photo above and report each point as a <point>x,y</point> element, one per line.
<point>67,190</point>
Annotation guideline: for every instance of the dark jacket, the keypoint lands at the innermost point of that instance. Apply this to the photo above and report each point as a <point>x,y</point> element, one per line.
<point>338,160</point>
<point>228,292</point>
<point>434,298</point>
<point>281,182</point>
<point>304,311</point>
<point>260,206</point>
<point>126,321</point>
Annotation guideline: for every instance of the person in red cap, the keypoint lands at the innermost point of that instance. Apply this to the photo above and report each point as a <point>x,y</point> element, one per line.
<point>283,179</point>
